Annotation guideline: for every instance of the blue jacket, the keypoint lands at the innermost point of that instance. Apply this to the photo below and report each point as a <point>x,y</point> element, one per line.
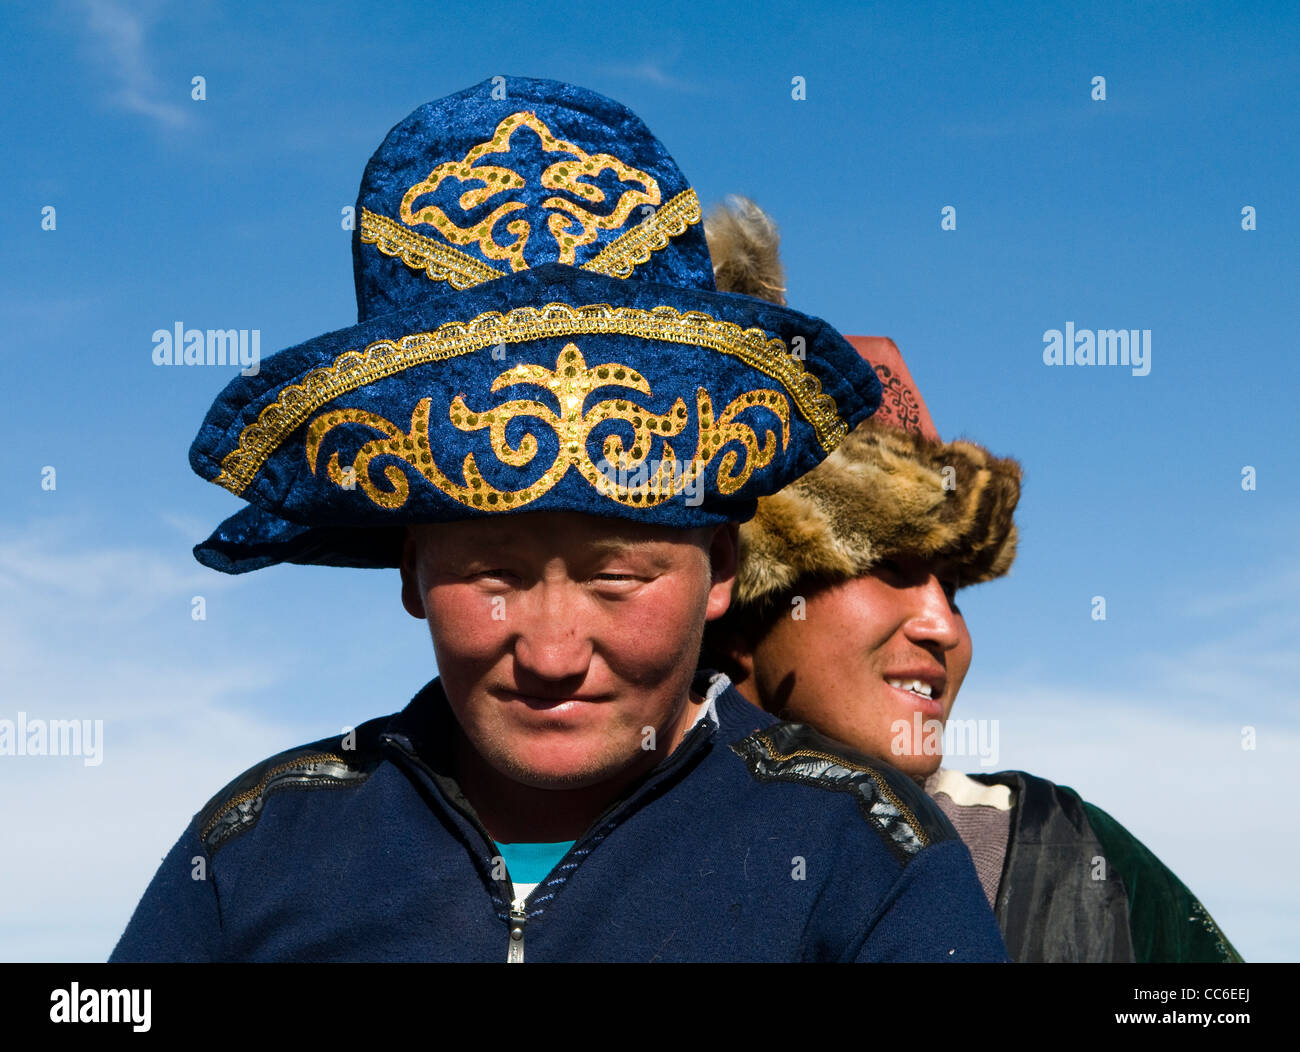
<point>754,840</point>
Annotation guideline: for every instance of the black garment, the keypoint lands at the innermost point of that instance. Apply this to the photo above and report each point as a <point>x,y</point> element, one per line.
<point>1078,886</point>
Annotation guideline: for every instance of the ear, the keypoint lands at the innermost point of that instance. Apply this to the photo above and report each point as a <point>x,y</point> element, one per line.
<point>724,561</point>
<point>412,597</point>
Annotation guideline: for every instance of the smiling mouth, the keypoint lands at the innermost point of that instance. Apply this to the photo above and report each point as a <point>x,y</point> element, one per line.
<point>924,694</point>
<point>916,686</point>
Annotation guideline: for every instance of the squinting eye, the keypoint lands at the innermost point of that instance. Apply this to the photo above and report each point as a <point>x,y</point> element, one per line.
<point>497,574</point>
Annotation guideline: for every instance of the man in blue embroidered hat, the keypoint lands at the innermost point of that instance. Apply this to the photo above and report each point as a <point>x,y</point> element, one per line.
<point>551,422</point>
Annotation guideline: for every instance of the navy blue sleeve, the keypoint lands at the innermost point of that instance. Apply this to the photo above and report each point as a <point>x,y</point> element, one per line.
<point>178,918</point>
<point>936,911</point>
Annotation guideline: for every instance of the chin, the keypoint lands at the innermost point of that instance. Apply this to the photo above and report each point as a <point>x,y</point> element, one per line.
<point>563,771</point>
<point>918,767</point>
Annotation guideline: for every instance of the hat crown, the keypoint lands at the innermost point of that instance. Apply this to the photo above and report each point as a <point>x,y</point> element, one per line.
<point>901,404</point>
<point>510,175</point>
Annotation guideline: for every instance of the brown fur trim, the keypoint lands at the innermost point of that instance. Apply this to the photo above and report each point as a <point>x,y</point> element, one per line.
<point>745,247</point>
<point>880,495</point>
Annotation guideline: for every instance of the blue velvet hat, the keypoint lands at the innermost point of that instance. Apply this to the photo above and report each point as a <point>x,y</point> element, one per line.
<point>538,330</point>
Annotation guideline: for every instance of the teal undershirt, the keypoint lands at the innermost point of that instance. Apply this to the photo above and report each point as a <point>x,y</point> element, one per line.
<point>529,863</point>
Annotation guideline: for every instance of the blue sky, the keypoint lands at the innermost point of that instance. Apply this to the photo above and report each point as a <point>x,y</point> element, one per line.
<point>1123,213</point>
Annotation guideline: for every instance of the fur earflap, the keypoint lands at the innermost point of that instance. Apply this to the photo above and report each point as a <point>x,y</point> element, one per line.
<point>745,246</point>
<point>883,493</point>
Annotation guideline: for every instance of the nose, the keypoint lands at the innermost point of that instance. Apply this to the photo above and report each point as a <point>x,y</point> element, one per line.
<point>933,618</point>
<point>552,641</point>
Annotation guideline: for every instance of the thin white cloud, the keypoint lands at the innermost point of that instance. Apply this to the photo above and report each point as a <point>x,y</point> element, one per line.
<point>52,567</point>
<point>655,74</point>
<point>92,837</point>
<point>101,634</point>
<point>1241,659</point>
<point>191,527</point>
<point>1278,588</point>
<point>115,36</point>
<point>653,71</point>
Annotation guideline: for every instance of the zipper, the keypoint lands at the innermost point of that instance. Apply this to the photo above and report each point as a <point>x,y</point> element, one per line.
<point>518,915</point>
<point>518,909</point>
<point>518,918</point>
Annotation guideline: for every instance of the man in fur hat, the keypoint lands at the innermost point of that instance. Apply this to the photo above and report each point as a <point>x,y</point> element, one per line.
<point>867,553</point>
<point>550,421</point>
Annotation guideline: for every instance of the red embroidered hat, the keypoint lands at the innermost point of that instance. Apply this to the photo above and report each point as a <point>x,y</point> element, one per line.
<point>901,404</point>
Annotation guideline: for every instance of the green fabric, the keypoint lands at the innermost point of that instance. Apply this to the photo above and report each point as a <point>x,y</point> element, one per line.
<point>1167,922</point>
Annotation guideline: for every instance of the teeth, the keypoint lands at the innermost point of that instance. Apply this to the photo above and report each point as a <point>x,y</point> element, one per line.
<point>914,685</point>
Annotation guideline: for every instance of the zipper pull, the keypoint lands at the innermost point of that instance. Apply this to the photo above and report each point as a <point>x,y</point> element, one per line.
<point>515,948</point>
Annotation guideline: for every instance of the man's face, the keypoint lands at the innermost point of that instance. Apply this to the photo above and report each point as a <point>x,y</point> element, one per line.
<point>564,640</point>
<point>847,668</point>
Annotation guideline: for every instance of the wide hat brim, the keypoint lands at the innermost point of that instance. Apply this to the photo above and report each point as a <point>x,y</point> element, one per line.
<point>283,439</point>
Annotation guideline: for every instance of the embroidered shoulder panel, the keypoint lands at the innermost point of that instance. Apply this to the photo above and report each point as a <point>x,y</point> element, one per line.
<point>895,806</point>
<point>322,765</point>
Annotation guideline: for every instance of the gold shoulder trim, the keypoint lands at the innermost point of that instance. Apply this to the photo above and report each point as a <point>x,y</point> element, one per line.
<point>775,752</point>
<point>383,358</point>
<point>439,262</point>
<point>630,249</point>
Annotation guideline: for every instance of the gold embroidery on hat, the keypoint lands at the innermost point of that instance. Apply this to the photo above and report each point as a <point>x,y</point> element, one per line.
<point>633,247</point>
<point>570,224</point>
<point>570,382</point>
<point>296,402</point>
<point>618,259</point>
<point>438,261</point>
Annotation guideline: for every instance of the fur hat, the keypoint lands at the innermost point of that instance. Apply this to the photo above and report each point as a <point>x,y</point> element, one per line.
<point>892,488</point>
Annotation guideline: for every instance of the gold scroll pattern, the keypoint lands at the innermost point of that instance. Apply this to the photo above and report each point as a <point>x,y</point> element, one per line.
<point>295,403</point>
<point>441,262</point>
<point>570,223</point>
<point>626,477</point>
